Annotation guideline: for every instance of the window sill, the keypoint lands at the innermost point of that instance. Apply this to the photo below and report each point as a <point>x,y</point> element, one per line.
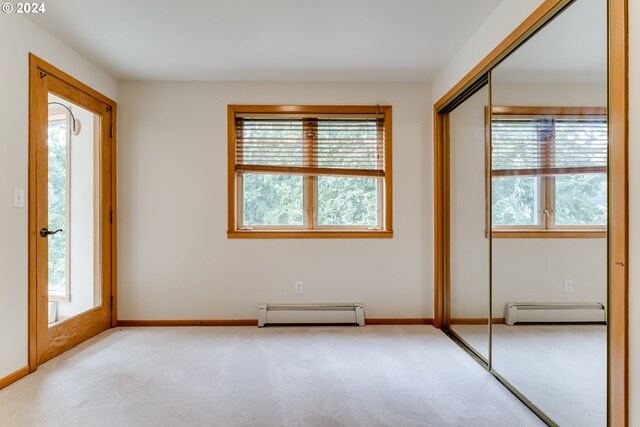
<point>549,234</point>
<point>59,297</point>
<point>310,234</point>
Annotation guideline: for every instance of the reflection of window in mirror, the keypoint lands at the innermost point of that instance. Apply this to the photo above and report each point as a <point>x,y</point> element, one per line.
<point>548,171</point>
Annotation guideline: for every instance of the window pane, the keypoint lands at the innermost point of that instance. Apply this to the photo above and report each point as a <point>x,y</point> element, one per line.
<point>347,201</point>
<point>515,201</point>
<point>57,197</point>
<point>273,199</point>
<point>581,199</point>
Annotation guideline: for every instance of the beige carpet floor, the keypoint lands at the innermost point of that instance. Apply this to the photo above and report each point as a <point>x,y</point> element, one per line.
<point>279,376</point>
<point>562,369</point>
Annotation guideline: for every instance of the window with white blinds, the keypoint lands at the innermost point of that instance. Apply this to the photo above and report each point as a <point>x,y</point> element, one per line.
<point>548,169</point>
<point>309,170</point>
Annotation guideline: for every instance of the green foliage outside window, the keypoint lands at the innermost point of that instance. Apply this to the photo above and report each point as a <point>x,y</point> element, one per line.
<point>514,201</point>
<point>581,199</point>
<point>272,199</point>
<point>347,201</point>
<point>57,194</point>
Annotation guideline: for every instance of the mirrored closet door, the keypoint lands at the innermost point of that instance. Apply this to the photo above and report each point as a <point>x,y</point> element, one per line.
<point>549,217</point>
<point>527,180</point>
<point>469,273</point>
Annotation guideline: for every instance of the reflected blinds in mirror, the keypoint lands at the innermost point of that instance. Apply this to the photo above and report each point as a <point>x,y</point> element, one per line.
<point>539,145</point>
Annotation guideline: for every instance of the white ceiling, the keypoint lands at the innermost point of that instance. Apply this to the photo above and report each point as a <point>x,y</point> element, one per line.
<point>274,40</point>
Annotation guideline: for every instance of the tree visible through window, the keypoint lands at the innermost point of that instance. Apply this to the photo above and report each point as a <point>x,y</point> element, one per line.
<point>58,146</point>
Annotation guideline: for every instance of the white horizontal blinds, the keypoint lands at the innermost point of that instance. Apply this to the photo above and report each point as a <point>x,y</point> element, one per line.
<point>350,144</point>
<point>515,145</point>
<point>270,142</point>
<point>323,145</point>
<point>548,145</point>
<point>581,144</point>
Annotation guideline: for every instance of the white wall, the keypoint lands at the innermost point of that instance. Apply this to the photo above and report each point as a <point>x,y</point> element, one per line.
<point>634,211</point>
<point>534,270</point>
<point>20,36</point>
<point>551,95</point>
<point>174,258</point>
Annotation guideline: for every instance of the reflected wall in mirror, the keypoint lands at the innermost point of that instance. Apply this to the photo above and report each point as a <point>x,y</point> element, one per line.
<point>469,280</point>
<point>549,217</point>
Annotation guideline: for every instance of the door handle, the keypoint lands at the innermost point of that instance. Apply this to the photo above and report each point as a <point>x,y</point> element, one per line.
<point>44,232</point>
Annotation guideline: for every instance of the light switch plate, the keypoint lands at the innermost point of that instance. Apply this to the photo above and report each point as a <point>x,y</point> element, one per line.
<point>18,198</point>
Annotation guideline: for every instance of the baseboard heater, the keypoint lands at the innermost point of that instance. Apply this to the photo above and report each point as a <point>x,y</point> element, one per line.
<point>299,314</point>
<point>577,312</point>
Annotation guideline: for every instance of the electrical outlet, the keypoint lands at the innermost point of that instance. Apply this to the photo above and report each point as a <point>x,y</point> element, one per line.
<point>299,287</point>
<point>568,285</point>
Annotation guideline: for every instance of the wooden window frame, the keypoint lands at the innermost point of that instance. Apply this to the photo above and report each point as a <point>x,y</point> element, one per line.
<point>310,227</point>
<point>618,240</point>
<point>546,227</point>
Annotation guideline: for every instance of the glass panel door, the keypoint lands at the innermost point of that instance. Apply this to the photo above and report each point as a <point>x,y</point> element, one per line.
<point>73,208</point>
<point>72,200</point>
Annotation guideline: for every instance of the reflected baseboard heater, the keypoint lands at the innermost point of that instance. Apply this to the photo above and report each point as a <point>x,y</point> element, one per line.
<point>300,314</point>
<point>580,312</point>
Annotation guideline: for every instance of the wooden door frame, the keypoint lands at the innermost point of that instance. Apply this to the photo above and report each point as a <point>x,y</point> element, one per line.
<point>38,68</point>
<point>618,244</point>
